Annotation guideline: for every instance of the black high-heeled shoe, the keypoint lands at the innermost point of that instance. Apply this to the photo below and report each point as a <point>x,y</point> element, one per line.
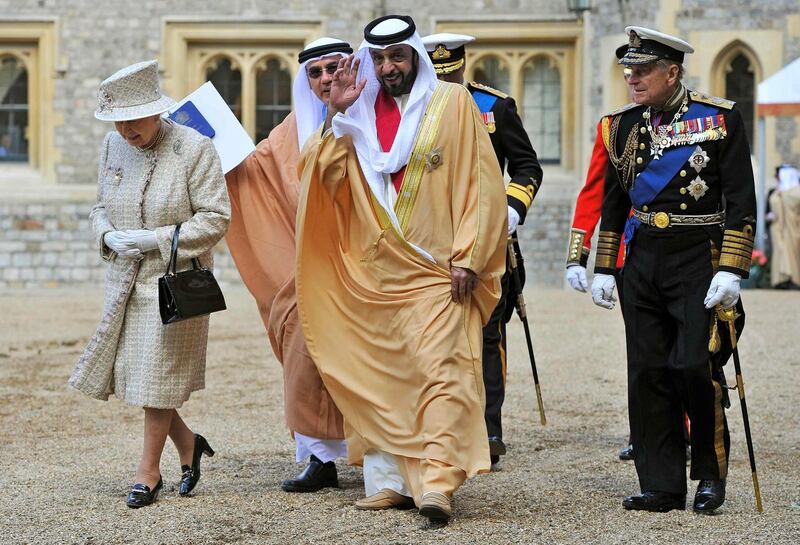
<point>141,495</point>
<point>192,474</point>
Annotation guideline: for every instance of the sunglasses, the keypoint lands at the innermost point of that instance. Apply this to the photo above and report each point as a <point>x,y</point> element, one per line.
<point>316,72</point>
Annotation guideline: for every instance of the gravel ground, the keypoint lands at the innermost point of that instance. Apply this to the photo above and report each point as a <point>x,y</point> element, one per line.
<point>68,461</point>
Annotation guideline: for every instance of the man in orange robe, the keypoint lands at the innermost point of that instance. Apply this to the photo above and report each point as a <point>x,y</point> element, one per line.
<point>401,245</point>
<point>264,191</point>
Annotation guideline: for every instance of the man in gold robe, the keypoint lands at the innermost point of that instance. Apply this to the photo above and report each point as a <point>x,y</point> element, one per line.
<point>784,217</point>
<point>264,191</point>
<point>401,245</point>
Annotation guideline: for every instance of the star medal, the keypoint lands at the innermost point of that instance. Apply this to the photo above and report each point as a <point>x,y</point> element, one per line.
<point>697,188</point>
<point>699,159</point>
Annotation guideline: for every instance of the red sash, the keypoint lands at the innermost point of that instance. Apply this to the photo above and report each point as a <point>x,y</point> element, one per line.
<point>387,121</point>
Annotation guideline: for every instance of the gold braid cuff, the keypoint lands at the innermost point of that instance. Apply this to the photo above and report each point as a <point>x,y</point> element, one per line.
<point>737,250</point>
<point>522,193</point>
<point>577,253</point>
<point>607,249</point>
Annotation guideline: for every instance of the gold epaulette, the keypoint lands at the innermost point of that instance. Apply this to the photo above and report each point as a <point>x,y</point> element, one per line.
<point>622,110</point>
<point>487,89</point>
<point>605,128</point>
<point>722,103</point>
<point>607,249</point>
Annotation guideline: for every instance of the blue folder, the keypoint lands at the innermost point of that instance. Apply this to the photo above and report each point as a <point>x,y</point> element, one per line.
<point>189,115</point>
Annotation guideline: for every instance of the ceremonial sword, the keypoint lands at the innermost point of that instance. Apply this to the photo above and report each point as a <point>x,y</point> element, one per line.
<point>520,306</point>
<point>729,316</point>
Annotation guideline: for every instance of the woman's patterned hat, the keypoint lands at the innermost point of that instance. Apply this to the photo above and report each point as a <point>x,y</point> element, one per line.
<point>132,93</point>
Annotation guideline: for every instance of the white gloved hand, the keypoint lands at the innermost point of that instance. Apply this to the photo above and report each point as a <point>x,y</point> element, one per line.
<point>145,239</point>
<point>724,290</point>
<point>122,243</point>
<point>603,290</point>
<point>513,220</point>
<point>576,276</point>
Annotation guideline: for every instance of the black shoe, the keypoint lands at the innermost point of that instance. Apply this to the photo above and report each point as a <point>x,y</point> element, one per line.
<point>192,474</point>
<point>658,502</point>
<point>496,448</point>
<point>141,495</point>
<point>710,495</point>
<point>626,453</point>
<point>315,476</point>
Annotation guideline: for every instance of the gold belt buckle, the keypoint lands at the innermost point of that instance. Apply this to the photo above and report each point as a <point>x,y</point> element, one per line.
<point>661,220</point>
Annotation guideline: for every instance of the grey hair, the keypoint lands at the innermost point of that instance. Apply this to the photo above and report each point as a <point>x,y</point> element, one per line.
<point>665,64</point>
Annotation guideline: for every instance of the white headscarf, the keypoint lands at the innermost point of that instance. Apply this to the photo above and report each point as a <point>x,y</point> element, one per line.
<point>309,110</point>
<point>788,177</point>
<point>359,122</point>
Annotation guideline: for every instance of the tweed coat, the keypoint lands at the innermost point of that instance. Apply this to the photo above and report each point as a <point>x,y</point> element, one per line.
<point>132,354</point>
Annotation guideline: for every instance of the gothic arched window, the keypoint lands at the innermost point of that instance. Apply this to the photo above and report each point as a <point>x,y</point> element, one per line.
<point>492,71</point>
<point>542,108</point>
<point>13,110</point>
<point>273,96</point>
<point>740,85</point>
<point>227,78</point>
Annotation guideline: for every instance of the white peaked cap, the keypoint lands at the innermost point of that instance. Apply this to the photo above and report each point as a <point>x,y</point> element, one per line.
<point>449,40</point>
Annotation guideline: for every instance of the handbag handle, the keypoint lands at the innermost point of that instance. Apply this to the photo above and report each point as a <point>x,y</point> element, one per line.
<point>173,257</point>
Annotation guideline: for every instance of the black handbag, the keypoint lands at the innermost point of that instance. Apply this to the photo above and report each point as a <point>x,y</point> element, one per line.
<point>187,294</point>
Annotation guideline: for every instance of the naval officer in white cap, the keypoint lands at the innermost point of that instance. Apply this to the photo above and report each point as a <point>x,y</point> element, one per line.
<point>680,159</point>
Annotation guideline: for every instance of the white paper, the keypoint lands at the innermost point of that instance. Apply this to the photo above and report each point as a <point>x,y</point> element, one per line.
<point>231,141</point>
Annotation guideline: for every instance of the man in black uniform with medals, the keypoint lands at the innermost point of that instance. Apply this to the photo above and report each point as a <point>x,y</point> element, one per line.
<point>681,160</point>
<point>515,154</point>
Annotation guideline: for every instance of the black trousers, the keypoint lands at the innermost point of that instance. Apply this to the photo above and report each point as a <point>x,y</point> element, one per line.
<point>494,361</point>
<point>669,365</point>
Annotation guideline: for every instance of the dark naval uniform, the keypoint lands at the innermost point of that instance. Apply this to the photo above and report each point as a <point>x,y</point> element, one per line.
<point>691,187</point>
<point>517,156</point>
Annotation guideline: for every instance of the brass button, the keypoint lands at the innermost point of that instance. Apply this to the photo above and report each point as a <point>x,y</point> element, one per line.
<point>683,191</point>
<point>645,208</point>
<point>683,174</point>
<point>638,160</point>
<point>683,206</point>
<point>642,130</point>
<point>641,146</point>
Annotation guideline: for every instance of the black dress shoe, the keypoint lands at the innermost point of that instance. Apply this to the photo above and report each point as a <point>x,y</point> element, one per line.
<point>192,474</point>
<point>141,495</point>
<point>315,476</point>
<point>710,495</point>
<point>658,502</point>
<point>496,448</point>
<point>626,453</point>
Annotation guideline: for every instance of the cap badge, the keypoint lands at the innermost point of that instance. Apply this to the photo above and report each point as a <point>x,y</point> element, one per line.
<point>635,40</point>
<point>441,52</point>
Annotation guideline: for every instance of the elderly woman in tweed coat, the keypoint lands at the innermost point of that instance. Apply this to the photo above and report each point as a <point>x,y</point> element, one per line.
<point>153,175</point>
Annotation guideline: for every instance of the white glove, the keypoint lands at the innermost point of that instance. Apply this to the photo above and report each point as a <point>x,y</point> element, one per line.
<point>513,220</point>
<point>724,290</point>
<point>603,290</point>
<point>145,239</point>
<point>576,276</point>
<point>122,243</point>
